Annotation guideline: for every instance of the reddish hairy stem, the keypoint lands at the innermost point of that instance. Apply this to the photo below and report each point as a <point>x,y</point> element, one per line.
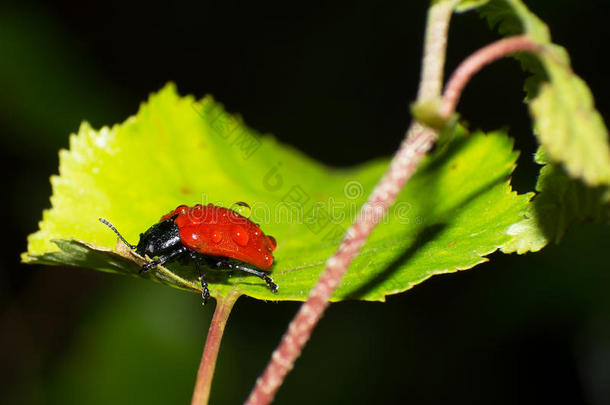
<point>418,142</point>
<point>201,393</point>
<point>478,60</point>
<point>406,160</point>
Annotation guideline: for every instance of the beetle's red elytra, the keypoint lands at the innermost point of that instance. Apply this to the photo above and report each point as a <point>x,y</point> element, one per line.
<point>218,231</point>
<point>216,236</point>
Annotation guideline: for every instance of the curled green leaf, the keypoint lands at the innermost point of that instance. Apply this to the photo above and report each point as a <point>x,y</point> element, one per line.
<point>566,122</point>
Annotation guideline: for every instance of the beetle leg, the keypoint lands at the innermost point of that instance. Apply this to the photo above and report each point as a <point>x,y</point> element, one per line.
<point>221,262</point>
<point>161,260</point>
<point>205,293</point>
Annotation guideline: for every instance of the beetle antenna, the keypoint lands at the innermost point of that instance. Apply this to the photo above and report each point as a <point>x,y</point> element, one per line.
<point>109,225</point>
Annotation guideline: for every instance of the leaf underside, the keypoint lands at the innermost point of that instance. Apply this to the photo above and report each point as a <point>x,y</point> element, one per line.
<point>176,150</point>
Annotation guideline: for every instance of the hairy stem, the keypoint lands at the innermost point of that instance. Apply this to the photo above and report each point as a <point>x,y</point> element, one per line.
<point>201,393</point>
<point>478,60</point>
<point>418,141</point>
<point>435,44</point>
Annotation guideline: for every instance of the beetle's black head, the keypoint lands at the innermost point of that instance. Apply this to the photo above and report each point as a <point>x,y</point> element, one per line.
<point>159,239</point>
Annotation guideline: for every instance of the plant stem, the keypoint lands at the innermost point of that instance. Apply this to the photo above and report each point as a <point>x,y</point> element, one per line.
<point>479,59</point>
<point>435,44</point>
<point>201,393</point>
<point>418,141</point>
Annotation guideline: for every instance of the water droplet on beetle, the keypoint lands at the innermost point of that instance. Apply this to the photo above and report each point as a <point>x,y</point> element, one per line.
<point>195,214</point>
<point>269,260</point>
<point>240,235</point>
<point>272,241</point>
<point>242,209</point>
<point>216,236</point>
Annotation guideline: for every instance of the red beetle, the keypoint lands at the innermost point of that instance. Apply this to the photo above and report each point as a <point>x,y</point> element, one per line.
<point>218,236</point>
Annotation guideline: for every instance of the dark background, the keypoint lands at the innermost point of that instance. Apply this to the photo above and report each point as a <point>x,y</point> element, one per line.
<point>335,81</point>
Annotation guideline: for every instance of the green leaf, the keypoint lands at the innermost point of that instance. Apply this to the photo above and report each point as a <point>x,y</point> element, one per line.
<point>565,119</point>
<point>455,210</point>
<point>561,201</point>
<point>513,17</point>
<point>467,5</point>
<point>570,128</point>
